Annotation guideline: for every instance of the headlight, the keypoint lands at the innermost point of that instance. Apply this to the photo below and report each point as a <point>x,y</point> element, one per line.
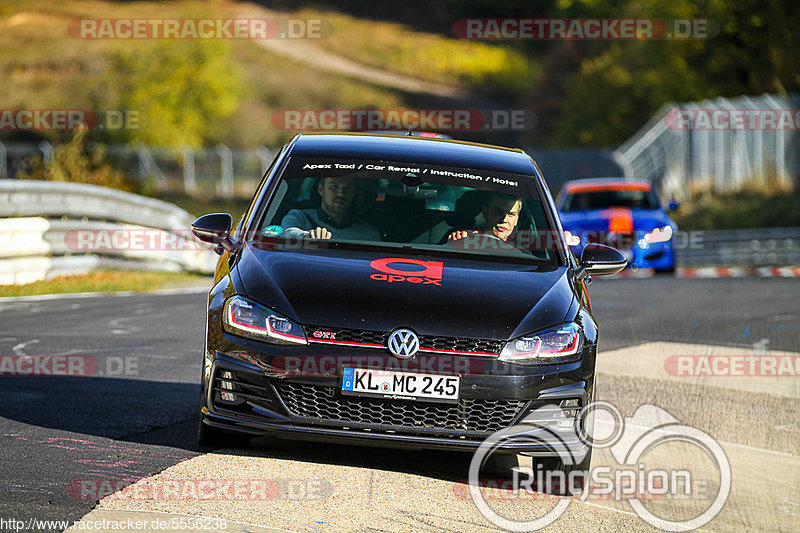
<point>659,235</point>
<point>551,346</point>
<point>249,319</point>
<point>572,239</point>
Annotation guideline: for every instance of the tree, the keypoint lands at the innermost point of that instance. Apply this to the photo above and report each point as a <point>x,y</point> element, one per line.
<point>178,88</point>
<point>79,162</point>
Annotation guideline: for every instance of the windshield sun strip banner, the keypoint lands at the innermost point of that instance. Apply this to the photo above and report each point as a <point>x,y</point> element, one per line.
<point>488,180</point>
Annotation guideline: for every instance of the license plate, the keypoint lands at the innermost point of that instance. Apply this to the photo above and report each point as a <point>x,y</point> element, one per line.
<point>400,385</point>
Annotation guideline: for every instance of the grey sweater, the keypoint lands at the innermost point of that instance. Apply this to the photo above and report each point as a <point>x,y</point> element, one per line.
<point>298,222</point>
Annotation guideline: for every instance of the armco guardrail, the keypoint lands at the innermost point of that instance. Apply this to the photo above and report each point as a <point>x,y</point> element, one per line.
<point>30,198</point>
<point>54,228</point>
<point>743,247</point>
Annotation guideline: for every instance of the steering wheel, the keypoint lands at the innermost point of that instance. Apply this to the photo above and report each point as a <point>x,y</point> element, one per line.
<point>492,236</point>
<point>476,237</point>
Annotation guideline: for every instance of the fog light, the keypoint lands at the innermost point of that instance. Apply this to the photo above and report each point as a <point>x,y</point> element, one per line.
<point>227,385</point>
<point>568,412</point>
<point>565,423</point>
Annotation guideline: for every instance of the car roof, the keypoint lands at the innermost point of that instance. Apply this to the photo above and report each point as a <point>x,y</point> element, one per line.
<point>413,149</point>
<point>412,133</point>
<point>606,184</point>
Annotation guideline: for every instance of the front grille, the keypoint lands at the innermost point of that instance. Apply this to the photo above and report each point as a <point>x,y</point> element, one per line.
<point>360,336</point>
<point>326,404</point>
<point>460,345</point>
<point>429,342</point>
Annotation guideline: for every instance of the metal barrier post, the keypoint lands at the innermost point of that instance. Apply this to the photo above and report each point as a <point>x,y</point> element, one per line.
<point>225,187</point>
<point>265,155</point>
<point>189,181</point>
<point>47,151</point>
<point>3,161</point>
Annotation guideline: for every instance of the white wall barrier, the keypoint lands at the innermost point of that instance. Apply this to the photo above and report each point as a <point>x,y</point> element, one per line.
<point>53,228</point>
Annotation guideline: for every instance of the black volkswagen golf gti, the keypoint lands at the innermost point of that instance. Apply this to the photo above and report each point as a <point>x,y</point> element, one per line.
<point>396,291</point>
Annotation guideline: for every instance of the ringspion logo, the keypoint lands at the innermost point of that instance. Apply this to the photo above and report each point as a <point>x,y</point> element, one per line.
<point>635,476</point>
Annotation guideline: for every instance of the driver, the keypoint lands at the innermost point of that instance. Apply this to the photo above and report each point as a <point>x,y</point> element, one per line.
<point>501,213</point>
<point>334,217</point>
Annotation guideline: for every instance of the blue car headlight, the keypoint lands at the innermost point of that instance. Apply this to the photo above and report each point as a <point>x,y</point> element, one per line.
<point>249,319</point>
<point>659,235</point>
<point>572,238</point>
<point>556,345</point>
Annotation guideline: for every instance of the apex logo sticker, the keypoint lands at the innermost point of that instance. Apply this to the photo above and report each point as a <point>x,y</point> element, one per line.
<point>412,271</point>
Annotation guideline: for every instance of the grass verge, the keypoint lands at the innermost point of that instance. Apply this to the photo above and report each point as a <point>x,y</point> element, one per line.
<point>749,208</point>
<point>105,281</point>
<point>494,69</point>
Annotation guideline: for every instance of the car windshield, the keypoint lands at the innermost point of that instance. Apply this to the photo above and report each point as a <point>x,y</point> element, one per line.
<point>633,198</point>
<point>421,208</point>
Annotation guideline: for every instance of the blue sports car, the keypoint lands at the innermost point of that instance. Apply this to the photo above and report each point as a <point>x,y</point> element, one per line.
<point>622,213</point>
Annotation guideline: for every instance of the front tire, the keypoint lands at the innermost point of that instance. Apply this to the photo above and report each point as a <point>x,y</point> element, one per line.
<point>499,466</point>
<point>579,472</point>
<point>214,438</point>
<point>666,271</point>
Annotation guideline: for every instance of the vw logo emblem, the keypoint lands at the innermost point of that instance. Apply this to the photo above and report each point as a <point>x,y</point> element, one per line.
<point>403,343</point>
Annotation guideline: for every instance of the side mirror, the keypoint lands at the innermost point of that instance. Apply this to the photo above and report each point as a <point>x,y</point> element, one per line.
<point>215,229</point>
<point>599,260</point>
<point>673,205</point>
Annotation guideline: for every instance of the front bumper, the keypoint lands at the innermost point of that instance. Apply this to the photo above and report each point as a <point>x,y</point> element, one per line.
<point>262,398</point>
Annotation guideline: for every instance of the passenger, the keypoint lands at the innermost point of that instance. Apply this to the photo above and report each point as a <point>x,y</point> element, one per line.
<point>333,218</point>
<point>501,213</point>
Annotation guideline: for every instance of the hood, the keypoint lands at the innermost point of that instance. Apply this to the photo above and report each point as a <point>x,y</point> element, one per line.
<point>621,218</point>
<point>433,295</point>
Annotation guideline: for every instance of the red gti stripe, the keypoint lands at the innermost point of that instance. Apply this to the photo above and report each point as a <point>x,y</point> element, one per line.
<point>345,343</point>
<point>432,350</point>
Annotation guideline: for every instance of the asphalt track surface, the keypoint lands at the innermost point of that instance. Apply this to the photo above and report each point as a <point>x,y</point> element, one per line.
<point>127,424</point>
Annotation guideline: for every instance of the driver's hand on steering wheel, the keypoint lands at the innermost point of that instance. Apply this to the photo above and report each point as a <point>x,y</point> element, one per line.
<point>318,233</point>
<point>460,234</point>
